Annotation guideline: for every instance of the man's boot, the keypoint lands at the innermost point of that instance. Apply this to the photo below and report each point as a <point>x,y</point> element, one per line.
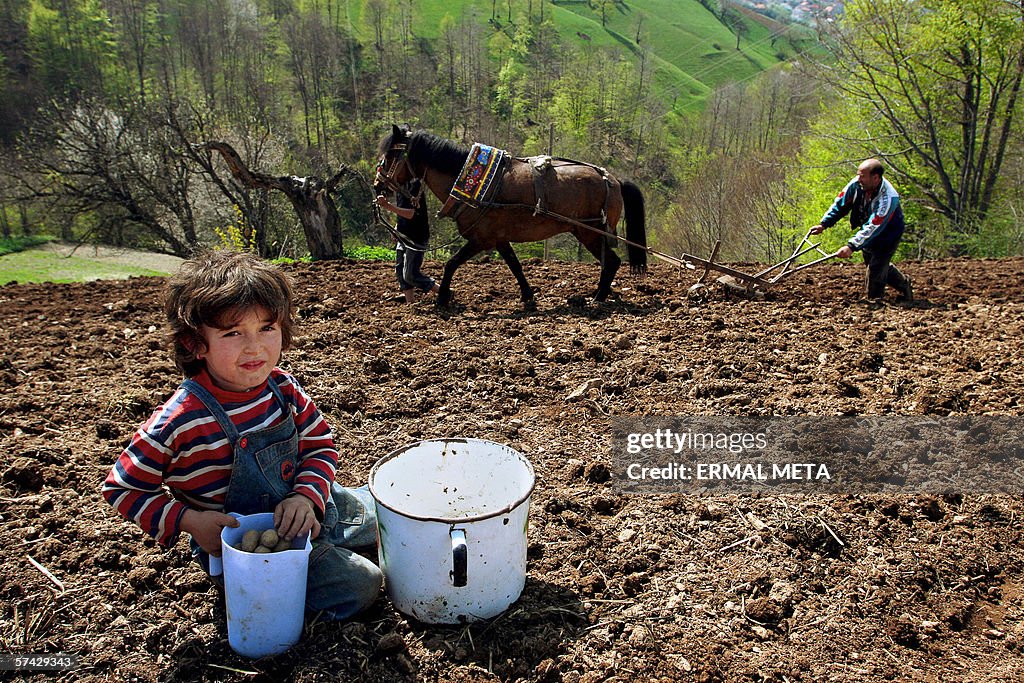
<point>906,294</point>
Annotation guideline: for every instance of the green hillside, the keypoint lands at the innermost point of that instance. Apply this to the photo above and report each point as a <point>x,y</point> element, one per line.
<point>691,50</point>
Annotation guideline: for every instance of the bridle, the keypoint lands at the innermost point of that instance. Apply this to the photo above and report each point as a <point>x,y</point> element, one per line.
<point>386,173</point>
<point>386,176</point>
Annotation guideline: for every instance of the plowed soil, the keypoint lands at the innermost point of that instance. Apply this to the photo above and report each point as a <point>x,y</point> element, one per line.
<point>620,587</point>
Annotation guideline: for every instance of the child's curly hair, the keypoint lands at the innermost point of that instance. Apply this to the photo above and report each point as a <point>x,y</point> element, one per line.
<point>214,285</point>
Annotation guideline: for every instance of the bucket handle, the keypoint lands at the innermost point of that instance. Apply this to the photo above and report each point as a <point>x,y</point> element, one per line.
<point>217,563</point>
<point>460,556</point>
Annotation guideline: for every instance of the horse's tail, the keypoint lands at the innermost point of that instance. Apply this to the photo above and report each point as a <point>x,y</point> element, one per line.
<point>633,202</point>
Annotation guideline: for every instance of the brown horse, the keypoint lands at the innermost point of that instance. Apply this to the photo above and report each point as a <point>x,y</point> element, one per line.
<point>534,199</point>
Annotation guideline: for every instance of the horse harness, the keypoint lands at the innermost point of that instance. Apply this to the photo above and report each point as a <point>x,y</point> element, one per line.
<point>541,167</point>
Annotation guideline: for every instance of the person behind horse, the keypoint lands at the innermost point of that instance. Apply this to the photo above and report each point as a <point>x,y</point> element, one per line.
<point>413,227</point>
<point>241,436</point>
<point>876,215</point>
<point>578,198</point>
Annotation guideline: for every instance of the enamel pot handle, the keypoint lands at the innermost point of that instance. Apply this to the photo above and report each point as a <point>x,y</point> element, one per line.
<point>460,554</point>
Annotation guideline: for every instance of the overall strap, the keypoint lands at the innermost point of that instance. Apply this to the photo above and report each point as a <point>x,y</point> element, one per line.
<point>214,406</point>
<point>221,415</point>
<point>276,391</point>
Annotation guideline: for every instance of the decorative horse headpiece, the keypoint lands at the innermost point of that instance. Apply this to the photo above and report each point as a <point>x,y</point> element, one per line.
<point>392,160</point>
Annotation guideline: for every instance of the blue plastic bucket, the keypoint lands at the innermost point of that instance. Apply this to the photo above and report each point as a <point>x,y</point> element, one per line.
<point>265,592</point>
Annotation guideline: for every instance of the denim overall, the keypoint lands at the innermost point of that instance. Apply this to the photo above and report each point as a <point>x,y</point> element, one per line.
<point>340,582</point>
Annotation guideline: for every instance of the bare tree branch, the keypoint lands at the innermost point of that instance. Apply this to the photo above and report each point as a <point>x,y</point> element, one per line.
<point>310,196</point>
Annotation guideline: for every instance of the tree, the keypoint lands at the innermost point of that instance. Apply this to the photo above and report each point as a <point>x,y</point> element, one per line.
<point>202,32</point>
<point>713,6</point>
<point>737,153</point>
<point>734,21</point>
<point>939,84</point>
<point>306,36</point>
<point>310,196</point>
<point>463,76</point>
<point>320,61</point>
<point>137,22</point>
<point>117,169</point>
<point>71,44</point>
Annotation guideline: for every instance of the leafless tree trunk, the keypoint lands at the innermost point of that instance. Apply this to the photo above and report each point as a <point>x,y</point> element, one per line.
<point>26,224</point>
<point>310,196</point>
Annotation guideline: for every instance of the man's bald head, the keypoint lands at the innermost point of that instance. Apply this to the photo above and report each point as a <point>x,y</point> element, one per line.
<point>869,174</point>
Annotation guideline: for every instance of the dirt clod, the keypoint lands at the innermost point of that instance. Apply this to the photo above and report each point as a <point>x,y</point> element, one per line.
<point>390,643</point>
<point>25,474</point>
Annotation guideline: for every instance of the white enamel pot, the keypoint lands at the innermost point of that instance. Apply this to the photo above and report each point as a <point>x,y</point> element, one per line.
<point>452,516</point>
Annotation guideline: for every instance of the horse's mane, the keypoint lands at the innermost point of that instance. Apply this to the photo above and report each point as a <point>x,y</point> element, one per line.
<point>445,155</point>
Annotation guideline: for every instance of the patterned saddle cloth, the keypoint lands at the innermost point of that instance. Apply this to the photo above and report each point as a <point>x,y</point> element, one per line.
<point>479,179</point>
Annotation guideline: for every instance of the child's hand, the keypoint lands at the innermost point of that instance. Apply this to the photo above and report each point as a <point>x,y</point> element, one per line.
<point>382,201</point>
<point>205,526</point>
<point>294,516</point>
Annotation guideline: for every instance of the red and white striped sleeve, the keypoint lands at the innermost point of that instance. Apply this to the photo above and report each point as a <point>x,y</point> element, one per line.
<point>135,484</point>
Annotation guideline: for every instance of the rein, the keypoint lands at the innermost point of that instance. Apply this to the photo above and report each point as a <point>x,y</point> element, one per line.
<point>405,240</point>
<point>378,215</point>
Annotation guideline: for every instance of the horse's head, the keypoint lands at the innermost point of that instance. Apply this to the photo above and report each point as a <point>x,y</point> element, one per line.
<point>393,170</point>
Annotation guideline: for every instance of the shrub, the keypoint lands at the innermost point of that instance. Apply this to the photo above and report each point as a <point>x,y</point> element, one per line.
<point>365,252</point>
<point>11,245</point>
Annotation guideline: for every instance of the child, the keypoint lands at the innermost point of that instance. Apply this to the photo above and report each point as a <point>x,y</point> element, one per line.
<point>240,435</point>
<point>413,225</point>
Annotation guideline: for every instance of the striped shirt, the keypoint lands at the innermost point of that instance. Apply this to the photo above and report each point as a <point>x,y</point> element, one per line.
<point>180,458</point>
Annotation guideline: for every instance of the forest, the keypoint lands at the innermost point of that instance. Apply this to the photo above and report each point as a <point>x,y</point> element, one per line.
<point>128,122</point>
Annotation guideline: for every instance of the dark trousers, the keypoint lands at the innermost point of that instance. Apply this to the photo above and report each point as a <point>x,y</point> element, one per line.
<point>407,268</point>
<point>882,273</point>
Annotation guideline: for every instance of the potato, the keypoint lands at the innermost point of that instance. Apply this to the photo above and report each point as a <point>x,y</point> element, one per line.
<point>269,538</point>
<point>269,541</point>
<point>250,540</point>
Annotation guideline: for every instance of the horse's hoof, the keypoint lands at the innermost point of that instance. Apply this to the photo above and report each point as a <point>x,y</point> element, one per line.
<point>530,305</point>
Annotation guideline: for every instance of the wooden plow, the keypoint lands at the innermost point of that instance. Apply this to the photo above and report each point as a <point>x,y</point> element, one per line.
<point>755,285</point>
<point>732,280</point>
<point>736,281</point>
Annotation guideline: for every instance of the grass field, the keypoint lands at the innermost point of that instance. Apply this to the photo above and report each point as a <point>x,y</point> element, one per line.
<point>52,263</point>
<point>691,50</point>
